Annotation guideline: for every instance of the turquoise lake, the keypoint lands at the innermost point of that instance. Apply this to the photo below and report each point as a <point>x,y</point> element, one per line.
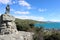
<point>49,25</point>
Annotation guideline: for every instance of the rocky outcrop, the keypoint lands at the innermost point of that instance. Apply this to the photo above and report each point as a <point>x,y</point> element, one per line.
<point>8,29</point>
<point>17,36</point>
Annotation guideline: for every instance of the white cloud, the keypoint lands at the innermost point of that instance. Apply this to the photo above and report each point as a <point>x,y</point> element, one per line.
<point>55,20</point>
<point>13,2</point>
<point>12,10</point>
<point>5,1</point>
<point>0,14</point>
<point>21,12</point>
<point>24,3</point>
<point>42,10</point>
<point>31,17</point>
<point>41,19</point>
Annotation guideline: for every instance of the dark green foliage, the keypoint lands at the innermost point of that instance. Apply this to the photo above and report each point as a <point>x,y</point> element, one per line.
<point>55,36</point>
<point>25,25</point>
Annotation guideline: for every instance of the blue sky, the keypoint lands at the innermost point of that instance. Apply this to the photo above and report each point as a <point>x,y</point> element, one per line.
<point>40,10</point>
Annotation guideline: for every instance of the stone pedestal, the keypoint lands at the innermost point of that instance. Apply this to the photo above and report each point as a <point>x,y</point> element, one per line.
<point>7,24</point>
<point>8,29</point>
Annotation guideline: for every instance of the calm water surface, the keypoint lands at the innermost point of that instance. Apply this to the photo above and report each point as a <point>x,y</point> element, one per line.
<point>49,25</point>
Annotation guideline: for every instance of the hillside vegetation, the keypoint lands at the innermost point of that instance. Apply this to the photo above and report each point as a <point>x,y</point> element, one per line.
<point>40,32</point>
<point>25,25</point>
